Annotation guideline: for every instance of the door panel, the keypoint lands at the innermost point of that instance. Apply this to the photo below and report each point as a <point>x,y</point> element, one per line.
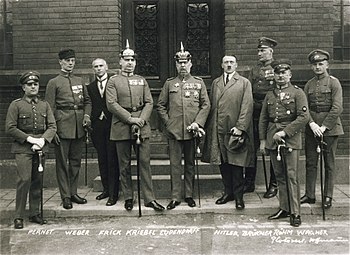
<point>156,28</point>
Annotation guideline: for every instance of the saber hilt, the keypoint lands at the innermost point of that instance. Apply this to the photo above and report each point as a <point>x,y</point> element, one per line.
<point>199,132</point>
<point>279,146</point>
<point>136,133</point>
<point>40,167</point>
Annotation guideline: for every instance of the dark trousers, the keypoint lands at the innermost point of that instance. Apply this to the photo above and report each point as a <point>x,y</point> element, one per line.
<point>175,152</point>
<point>250,172</point>
<point>124,159</point>
<point>107,157</point>
<point>312,160</point>
<point>288,166</point>
<point>68,162</point>
<point>28,180</point>
<point>232,177</point>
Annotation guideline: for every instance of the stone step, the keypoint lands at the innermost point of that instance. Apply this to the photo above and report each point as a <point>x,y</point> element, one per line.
<point>209,184</point>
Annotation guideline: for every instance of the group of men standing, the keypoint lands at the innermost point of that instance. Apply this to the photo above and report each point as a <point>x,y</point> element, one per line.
<point>241,117</point>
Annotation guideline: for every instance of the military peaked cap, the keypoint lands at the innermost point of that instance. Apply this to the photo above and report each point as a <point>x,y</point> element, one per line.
<point>318,55</point>
<point>29,77</point>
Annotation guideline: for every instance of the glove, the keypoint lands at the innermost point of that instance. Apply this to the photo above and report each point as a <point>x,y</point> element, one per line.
<point>86,121</point>
<point>193,127</point>
<point>40,142</point>
<point>138,121</point>
<point>278,137</point>
<point>262,147</point>
<point>200,132</point>
<point>35,148</point>
<point>316,129</point>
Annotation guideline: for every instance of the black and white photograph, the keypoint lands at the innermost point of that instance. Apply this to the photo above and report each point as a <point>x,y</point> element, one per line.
<point>192,127</point>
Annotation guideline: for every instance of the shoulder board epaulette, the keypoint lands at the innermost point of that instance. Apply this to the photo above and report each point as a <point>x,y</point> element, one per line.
<point>114,76</point>
<point>332,77</point>
<point>295,86</point>
<point>18,99</point>
<point>198,78</point>
<point>171,78</point>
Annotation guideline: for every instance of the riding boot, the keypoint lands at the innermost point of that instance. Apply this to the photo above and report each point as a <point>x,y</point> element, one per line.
<point>272,191</point>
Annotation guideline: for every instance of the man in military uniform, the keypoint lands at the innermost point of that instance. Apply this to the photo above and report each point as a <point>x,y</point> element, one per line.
<point>183,106</point>
<point>32,125</point>
<point>283,116</point>
<point>129,99</point>
<point>230,116</point>
<point>101,120</point>
<point>71,105</point>
<point>262,79</point>
<point>324,94</point>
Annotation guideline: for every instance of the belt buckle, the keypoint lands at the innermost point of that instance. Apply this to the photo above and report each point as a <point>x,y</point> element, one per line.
<point>134,109</point>
<point>75,107</point>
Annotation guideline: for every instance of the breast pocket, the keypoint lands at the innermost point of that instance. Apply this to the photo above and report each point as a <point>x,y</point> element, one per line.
<point>24,121</point>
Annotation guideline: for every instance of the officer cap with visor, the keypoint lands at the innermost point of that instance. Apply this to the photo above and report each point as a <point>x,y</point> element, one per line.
<point>265,42</point>
<point>29,77</point>
<point>281,65</point>
<point>318,56</point>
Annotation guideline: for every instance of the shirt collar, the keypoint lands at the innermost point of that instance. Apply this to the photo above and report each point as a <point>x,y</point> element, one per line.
<point>65,73</point>
<point>103,78</point>
<point>30,99</point>
<point>184,78</point>
<point>127,74</point>
<point>320,77</point>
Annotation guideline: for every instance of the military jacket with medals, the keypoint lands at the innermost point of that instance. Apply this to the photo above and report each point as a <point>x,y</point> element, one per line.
<point>69,101</point>
<point>261,77</point>
<point>284,109</point>
<point>128,95</point>
<point>182,102</point>
<point>29,117</point>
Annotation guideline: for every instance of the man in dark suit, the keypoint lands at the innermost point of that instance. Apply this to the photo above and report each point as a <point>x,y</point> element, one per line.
<point>101,127</point>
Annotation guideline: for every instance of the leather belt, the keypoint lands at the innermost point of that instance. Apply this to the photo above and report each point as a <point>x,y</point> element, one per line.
<point>320,108</point>
<point>70,107</point>
<point>134,109</point>
<point>279,120</point>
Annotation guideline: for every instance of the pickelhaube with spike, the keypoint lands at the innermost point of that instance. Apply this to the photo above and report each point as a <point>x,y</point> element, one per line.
<point>182,55</point>
<point>127,52</point>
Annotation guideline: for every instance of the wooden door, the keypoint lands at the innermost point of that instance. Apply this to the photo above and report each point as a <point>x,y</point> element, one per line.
<point>155,29</point>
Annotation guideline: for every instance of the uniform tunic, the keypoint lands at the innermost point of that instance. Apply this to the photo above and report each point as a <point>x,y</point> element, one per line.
<point>29,117</point>
<point>285,109</point>
<point>69,100</point>
<point>262,78</point>
<point>130,96</point>
<point>182,102</point>
<point>324,94</point>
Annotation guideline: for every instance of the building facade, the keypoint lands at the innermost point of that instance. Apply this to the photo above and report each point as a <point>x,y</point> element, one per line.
<point>33,31</point>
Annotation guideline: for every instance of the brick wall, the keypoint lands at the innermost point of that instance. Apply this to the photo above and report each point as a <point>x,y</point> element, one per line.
<point>92,28</point>
<point>299,26</point>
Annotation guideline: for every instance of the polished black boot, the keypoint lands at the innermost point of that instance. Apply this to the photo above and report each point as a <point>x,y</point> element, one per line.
<point>272,191</point>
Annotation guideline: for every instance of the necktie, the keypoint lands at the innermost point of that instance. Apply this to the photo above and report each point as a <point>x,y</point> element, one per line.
<point>100,82</point>
<point>227,79</point>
